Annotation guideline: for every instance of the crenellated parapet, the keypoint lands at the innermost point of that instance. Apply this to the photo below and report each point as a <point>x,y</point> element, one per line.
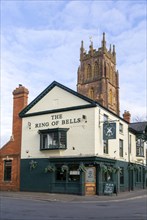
<point>102,51</point>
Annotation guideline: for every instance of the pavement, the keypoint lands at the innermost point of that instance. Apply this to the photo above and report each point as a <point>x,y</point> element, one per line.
<point>54,197</point>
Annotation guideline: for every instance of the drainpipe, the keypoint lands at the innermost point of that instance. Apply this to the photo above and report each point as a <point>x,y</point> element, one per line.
<point>129,160</point>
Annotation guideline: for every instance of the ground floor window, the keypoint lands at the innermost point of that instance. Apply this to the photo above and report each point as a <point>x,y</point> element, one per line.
<point>138,175</point>
<point>7,170</point>
<point>107,177</point>
<point>60,174</point>
<point>121,175</point>
<point>69,173</point>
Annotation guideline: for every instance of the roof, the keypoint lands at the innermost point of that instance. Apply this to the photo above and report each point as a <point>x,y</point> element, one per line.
<point>48,89</point>
<point>92,103</point>
<point>140,129</point>
<point>139,126</point>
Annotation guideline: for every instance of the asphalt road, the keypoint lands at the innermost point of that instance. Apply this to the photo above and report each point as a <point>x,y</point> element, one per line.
<point>30,209</point>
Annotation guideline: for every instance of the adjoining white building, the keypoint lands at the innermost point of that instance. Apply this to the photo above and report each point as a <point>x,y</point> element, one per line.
<point>72,144</point>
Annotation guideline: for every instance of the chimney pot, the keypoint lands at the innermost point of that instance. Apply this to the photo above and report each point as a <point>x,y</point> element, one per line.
<point>127,116</point>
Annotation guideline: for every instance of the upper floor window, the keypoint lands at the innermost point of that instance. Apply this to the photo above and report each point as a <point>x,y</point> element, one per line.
<point>105,146</point>
<point>130,143</point>
<point>7,170</point>
<point>120,148</point>
<point>120,127</point>
<point>105,118</point>
<point>51,139</point>
<point>140,147</point>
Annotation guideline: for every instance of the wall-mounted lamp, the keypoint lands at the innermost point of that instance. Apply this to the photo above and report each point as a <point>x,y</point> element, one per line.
<point>29,125</point>
<point>84,117</point>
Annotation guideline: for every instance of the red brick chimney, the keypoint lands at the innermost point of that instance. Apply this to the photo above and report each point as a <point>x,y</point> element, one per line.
<point>20,100</point>
<point>127,116</point>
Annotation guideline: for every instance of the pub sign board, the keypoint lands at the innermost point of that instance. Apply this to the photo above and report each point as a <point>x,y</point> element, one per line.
<point>108,188</point>
<point>109,131</point>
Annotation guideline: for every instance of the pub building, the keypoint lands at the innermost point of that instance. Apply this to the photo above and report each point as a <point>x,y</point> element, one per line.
<point>76,142</point>
<point>72,144</point>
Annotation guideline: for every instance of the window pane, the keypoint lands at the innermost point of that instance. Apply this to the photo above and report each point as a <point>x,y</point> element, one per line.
<point>121,148</point>
<point>139,147</point>
<point>105,146</point>
<point>60,175</point>
<point>74,174</point>
<point>62,139</point>
<point>45,141</point>
<point>130,143</point>
<point>7,170</point>
<point>121,128</point>
<point>105,117</point>
<point>107,177</point>
<point>53,139</point>
<point>121,175</point>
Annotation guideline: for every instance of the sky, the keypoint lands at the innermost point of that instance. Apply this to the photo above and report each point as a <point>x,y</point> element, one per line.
<point>40,42</point>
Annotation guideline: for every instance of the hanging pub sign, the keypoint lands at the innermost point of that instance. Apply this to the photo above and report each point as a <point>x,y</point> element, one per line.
<point>109,130</point>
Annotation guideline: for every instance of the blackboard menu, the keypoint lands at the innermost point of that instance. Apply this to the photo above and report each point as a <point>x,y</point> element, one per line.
<point>109,188</point>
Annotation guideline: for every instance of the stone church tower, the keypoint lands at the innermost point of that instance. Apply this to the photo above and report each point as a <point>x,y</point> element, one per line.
<point>97,76</point>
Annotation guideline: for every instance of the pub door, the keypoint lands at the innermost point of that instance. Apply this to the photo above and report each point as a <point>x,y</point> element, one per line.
<point>90,181</point>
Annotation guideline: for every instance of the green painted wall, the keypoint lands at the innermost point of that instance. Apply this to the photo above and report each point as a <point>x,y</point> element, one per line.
<point>38,181</point>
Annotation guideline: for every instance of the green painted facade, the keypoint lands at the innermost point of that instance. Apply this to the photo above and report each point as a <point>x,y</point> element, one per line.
<point>35,178</point>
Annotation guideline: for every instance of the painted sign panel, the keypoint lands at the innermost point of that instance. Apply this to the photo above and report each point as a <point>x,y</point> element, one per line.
<point>109,131</point>
<point>90,175</point>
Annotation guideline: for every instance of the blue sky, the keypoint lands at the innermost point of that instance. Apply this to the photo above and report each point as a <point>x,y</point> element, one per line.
<point>40,43</point>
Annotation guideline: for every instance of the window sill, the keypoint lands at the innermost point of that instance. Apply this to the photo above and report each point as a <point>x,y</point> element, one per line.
<point>7,181</point>
<point>57,148</point>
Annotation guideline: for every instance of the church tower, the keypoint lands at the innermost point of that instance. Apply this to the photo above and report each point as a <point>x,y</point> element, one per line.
<point>98,78</point>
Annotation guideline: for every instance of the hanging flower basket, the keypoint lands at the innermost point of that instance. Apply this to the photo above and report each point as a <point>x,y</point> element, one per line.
<point>82,167</point>
<point>117,170</point>
<point>33,164</point>
<point>130,167</point>
<point>110,169</point>
<point>49,168</point>
<point>136,168</point>
<point>104,168</point>
<point>64,168</point>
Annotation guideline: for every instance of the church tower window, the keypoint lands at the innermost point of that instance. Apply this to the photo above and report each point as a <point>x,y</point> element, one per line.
<point>89,72</point>
<point>96,69</point>
<point>110,97</point>
<point>91,93</point>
